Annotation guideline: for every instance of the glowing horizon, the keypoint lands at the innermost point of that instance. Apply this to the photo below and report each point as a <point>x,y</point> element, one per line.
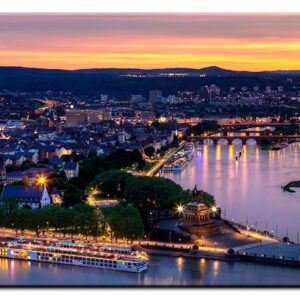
<point>250,42</point>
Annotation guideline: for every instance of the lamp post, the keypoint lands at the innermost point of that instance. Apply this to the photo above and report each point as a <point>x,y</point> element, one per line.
<point>41,180</point>
<point>179,209</point>
<point>214,210</point>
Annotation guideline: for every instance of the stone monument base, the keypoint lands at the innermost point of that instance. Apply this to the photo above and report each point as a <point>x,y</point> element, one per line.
<point>199,230</point>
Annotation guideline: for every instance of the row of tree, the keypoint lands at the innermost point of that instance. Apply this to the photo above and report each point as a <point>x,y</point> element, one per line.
<point>80,219</point>
<point>124,222</point>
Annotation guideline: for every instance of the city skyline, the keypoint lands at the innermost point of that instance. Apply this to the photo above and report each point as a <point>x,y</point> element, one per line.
<point>254,42</point>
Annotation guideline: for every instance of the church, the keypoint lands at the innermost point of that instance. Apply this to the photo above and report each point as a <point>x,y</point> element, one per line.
<point>33,196</point>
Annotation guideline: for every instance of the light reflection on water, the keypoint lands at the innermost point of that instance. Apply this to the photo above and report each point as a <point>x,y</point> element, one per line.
<point>250,187</point>
<point>163,271</point>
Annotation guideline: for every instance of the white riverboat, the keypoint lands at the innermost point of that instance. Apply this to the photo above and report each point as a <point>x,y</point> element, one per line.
<point>179,165</point>
<point>78,254</point>
<point>189,146</point>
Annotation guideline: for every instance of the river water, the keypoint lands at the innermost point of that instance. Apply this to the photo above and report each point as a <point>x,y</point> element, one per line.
<point>249,190</point>
<point>244,189</point>
<point>163,271</point>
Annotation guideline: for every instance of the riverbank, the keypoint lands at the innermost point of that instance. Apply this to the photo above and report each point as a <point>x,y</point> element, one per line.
<point>287,187</point>
<point>188,253</point>
<point>248,191</point>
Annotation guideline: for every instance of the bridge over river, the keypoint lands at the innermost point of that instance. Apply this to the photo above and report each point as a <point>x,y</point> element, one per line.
<point>259,139</point>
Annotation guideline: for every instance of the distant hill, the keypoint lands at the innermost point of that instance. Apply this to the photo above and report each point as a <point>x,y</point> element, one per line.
<point>113,82</point>
<point>208,71</point>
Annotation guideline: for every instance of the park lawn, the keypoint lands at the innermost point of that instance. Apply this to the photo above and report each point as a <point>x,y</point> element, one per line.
<point>287,187</point>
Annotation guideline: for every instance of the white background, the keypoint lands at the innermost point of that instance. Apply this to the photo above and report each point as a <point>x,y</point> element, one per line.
<point>144,6</point>
<point>149,6</point>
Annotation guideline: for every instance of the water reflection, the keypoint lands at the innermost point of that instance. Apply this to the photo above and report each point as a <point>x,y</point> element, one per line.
<point>163,271</point>
<point>249,186</point>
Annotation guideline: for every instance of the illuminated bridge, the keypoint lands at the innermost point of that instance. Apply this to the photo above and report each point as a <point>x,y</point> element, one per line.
<point>246,139</point>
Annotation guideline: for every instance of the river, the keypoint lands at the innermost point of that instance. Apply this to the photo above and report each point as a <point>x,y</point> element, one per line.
<point>163,271</point>
<point>244,189</point>
<point>249,190</point>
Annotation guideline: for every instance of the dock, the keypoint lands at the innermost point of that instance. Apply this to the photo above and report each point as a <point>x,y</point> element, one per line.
<point>271,252</point>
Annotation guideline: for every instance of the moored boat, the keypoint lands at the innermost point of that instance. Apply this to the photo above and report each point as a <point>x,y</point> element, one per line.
<point>78,254</point>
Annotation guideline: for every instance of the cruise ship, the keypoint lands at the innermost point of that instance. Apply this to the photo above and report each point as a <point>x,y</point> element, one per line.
<point>189,146</point>
<point>179,165</point>
<point>78,254</point>
<point>168,166</point>
<point>180,159</point>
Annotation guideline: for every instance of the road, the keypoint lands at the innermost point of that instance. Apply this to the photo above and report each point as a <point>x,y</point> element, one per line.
<point>54,237</point>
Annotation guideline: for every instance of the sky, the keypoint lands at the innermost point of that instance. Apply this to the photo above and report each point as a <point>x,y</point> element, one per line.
<point>232,41</point>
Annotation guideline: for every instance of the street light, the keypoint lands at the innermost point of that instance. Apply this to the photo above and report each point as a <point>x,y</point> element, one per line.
<point>41,180</point>
<point>180,210</point>
<point>214,210</point>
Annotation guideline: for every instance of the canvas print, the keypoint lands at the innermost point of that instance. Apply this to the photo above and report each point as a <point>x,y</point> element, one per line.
<point>149,150</point>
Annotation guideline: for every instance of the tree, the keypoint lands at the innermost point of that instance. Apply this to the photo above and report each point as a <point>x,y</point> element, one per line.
<point>20,219</point>
<point>112,183</point>
<point>9,204</point>
<point>141,164</point>
<point>3,217</point>
<point>72,195</point>
<point>26,181</point>
<point>148,193</point>
<point>149,151</point>
<point>124,221</point>
<point>205,125</point>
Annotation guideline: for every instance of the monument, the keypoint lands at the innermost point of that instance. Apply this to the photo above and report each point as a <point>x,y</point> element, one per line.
<point>196,216</point>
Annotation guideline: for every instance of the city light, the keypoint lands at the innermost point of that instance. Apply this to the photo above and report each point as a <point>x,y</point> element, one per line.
<point>179,208</point>
<point>41,180</point>
<point>214,209</point>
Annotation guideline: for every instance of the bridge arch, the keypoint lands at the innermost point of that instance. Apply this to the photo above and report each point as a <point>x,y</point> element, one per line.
<point>237,141</point>
<point>251,141</point>
<point>208,141</point>
<point>222,141</point>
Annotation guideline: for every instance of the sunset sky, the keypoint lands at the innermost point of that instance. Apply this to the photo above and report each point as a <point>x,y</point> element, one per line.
<point>238,42</point>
